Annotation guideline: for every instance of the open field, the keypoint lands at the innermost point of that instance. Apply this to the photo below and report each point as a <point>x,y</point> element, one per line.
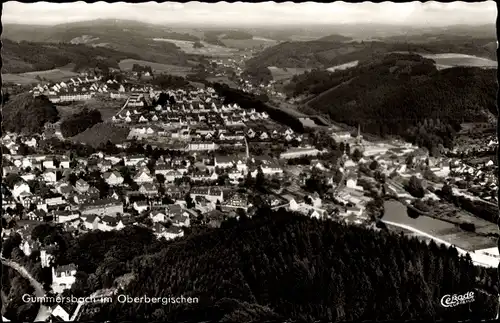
<point>396,212</point>
<point>451,59</point>
<point>107,107</point>
<point>448,60</point>
<point>343,66</point>
<point>127,65</point>
<point>280,74</point>
<point>207,49</point>
<point>249,43</point>
<point>55,75</point>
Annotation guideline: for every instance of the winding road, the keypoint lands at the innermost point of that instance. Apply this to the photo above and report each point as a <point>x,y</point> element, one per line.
<point>44,311</point>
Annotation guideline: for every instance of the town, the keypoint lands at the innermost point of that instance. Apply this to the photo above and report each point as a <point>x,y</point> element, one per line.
<point>174,155</point>
<point>195,160</point>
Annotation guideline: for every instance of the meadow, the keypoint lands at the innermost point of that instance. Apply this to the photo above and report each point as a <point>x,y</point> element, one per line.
<point>280,74</point>
<point>55,75</point>
<point>249,43</point>
<point>127,65</point>
<point>207,49</point>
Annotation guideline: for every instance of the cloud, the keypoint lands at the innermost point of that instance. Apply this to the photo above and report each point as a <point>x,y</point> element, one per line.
<point>409,13</point>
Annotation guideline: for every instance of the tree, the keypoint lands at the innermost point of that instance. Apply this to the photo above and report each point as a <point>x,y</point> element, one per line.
<point>342,147</point>
<point>415,187</point>
<point>410,160</point>
<point>72,179</point>
<point>160,178</point>
<point>357,155</point>
<point>260,180</point>
<point>412,212</point>
<point>189,201</point>
<point>447,192</point>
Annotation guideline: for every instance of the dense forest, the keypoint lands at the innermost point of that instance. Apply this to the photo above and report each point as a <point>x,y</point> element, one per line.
<point>79,122</point>
<point>279,266</point>
<point>258,75</point>
<point>24,113</point>
<point>402,95</point>
<point>166,81</point>
<point>28,56</point>
<point>324,54</point>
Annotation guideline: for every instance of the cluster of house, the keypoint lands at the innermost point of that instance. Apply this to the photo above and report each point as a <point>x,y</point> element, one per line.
<point>73,90</point>
<point>190,108</point>
<point>85,88</point>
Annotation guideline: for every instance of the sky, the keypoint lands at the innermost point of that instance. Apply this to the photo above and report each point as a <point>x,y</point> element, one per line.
<point>265,13</point>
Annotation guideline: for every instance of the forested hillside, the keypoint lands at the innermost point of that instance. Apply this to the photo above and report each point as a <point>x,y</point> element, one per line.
<point>24,113</point>
<point>27,56</point>
<point>105,40</point>
<point>402,95</point>
<point>324,54</point>
<point>281,266</point>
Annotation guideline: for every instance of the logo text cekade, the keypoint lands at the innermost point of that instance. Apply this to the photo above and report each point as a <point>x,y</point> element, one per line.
<point>455,300</point>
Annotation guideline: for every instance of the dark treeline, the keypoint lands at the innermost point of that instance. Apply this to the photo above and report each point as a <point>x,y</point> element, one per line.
<point>237,34</point>
<point>258,75</point>
<point>166,81</point>
<point>281,266</point>
<point>24,113</point>
<point>249,101</point>
<point>80,122</point>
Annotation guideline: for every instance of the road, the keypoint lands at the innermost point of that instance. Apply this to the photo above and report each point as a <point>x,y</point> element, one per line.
<point>44,311</point>
<point>124,106</point>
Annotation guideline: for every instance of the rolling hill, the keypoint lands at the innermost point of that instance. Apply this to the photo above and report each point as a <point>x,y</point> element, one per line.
<point>402,95</point>
<point>324,54</point>
<point>129,37</point>
<point>21,57</point>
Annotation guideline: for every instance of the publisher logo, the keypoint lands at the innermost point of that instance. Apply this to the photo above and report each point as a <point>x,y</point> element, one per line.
<point>455,300</point>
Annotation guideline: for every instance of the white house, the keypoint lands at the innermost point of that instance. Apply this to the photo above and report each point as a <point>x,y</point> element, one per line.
<point>223,162</point>
<point>50,176</point>
<point>158,216</point>
<point>91,221</point>
<point>63,277</point>
<point>59,313</point>
<point>113,178</point>
<point>65,216</point>
<point>19,188</point>
<point>140,206</point>
<point>143,177</point>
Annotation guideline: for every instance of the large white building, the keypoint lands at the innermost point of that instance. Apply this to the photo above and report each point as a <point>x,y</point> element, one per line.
<point>63,277</point>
